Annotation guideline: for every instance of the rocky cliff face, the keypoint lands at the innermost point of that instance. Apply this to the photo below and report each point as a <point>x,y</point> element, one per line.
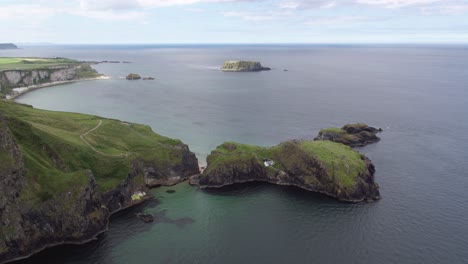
<point>155,175</point>
<point>22,78</point>
<point>295,164</point>
<point>243,66</point>
<point>32,219</point>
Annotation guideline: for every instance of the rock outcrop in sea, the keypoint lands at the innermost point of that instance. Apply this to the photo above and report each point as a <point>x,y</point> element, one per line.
<point>243,66</point>
<point>353,135</point>
<point>133,76</point>
<point>319,166</point>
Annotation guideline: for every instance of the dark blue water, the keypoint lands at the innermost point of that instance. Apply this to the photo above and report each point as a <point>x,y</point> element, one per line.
<point>417,94</point>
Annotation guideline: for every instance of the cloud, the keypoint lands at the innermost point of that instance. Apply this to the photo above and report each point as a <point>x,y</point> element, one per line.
<point>303,4</point>
<point>451,9</point>
<point>263,16</point>
<point>396,3</point>
<point>336,20</point>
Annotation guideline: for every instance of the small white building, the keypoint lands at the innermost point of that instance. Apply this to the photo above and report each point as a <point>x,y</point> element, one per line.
<point>268,162</point>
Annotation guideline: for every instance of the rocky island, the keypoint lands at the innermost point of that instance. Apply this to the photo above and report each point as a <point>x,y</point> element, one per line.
<point>8,46</point>
<point>319,166</point>
<point>353,135</point>
<point>63,174</point>
<point>18,75</point>
<point>243,66</point>
<point>133,76</point>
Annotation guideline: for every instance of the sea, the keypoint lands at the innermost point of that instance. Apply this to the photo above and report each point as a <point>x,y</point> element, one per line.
<point>418,95</point>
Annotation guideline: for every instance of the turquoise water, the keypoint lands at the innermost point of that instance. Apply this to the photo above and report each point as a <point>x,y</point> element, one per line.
<point>417,94</point>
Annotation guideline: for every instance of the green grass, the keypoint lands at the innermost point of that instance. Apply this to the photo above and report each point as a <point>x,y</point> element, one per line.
<point>341,163</point>
<point>57,159</point>
<point>11,63</point>
<point>334,130</point>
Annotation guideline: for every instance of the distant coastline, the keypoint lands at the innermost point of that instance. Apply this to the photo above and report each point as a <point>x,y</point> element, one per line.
<point>20,91</point>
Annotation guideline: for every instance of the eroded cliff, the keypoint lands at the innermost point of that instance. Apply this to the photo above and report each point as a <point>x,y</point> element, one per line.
<point>59,182</point>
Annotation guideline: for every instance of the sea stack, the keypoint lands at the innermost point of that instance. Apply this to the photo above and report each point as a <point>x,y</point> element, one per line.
<point>133,76</point>
<point>243,66</point>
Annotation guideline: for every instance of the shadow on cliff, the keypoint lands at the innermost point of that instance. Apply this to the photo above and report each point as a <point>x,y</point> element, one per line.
<point>254,188</point>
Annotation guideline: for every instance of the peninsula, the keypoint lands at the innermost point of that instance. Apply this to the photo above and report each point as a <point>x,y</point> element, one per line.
<point>243,66</point>
<point>319,166</point>
<point>63,174</point>
<point>8,46</point>
<point>19,75</point>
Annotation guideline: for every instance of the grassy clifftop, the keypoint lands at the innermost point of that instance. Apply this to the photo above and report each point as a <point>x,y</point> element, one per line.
<point>342,164</point>
<point>57,148</point>
<point>320,166</point>
<point>63,174</point>
<point>26,63</point>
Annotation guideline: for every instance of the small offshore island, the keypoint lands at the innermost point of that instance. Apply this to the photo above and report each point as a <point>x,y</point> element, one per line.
<point>19,75</point>
<point>243,66</point>
<point>319,166</point>
<point>353,135</point>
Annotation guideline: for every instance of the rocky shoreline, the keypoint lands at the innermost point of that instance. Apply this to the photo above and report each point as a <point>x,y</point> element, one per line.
<point>304,164</point>
<point>17,92</point>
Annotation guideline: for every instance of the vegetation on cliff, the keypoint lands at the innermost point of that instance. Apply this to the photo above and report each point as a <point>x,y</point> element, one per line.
<point>26,72</point>
<point>321,166</point>
<point>354,135</point>
<point>30,63</point>
<point>68,172</point>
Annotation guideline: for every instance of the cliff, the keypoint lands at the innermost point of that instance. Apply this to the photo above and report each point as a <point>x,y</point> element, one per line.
<point>324,167</point>
<point>243,66</point>
<point>63,174</point>
<point>8,46</point>
<point>24,72</point>
<point>353,135</point>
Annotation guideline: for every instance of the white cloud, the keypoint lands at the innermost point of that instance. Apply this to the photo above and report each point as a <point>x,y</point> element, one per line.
<point>396,3</point>
<point>454,9</point>
<point>336,20</point>
<point>307,4</point>
<point>251,16</point>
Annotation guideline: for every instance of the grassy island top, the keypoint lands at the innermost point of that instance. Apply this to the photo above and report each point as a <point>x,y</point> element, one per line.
<point>24,63</point>
<point>60,148</point>
<point>341,163</point>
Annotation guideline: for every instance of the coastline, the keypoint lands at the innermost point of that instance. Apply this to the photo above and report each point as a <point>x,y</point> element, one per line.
<point>84,241</point>
<point>19,91</point>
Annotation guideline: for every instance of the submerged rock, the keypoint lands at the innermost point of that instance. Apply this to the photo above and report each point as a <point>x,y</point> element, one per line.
<point>147,218</point>
<point>243,66</point>
<point>148,78</point>
<point>319,166</point>
<point>353,135</point>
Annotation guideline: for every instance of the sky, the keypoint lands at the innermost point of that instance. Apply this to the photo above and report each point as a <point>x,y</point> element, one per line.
<point>233,21</point>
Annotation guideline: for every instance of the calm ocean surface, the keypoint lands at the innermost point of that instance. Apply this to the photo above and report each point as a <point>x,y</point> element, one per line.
<point>417,94</point>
